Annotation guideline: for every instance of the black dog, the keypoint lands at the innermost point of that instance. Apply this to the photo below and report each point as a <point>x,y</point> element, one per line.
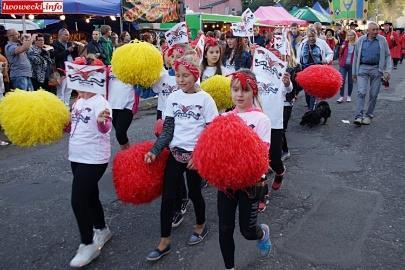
<point>313,118</point>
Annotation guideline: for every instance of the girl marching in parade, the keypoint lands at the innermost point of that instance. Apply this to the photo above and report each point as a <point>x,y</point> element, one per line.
<point>273,106</point>
<point>244,92</point>
<point>211,64</point>
<point>164,87</point>
<point>187,112</point>
<point>89,153</point>
<point>122,99</point>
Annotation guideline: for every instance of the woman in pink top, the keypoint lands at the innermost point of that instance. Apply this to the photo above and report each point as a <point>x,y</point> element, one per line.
<point>346,53</point>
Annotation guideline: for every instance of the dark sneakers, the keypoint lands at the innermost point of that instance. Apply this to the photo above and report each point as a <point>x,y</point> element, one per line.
<point>177,220</point>
<point>278,179</point>
<point>184,205</point>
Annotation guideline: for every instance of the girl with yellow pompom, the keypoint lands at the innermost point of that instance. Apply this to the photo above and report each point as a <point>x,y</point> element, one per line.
<point>89,153</point>
<point>211,64</point>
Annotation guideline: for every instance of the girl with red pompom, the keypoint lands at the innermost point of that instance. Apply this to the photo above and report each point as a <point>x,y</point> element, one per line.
<point>211,64</point>
<point>244,92</point>
<point>273,107</point>
<point>89,153</point>
<point>164,87</point>
<point>187,113</point>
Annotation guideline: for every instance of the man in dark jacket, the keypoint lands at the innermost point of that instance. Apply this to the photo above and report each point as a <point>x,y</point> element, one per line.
<point>95,47</point>
<point>64,50</point>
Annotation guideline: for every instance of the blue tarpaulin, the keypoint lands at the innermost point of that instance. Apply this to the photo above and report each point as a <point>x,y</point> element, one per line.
<point>93,7</point>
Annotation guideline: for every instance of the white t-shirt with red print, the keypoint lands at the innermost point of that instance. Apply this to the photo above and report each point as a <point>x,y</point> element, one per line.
<point>87,144</point>
<point>191,113</point>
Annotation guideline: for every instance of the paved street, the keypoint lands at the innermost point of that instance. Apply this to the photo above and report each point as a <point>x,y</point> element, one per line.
<point>342,205</point>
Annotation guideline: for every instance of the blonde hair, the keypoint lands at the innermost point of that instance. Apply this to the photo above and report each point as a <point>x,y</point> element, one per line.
<point>291,58</point>
<point>189,58</point>
<point>355,36</point>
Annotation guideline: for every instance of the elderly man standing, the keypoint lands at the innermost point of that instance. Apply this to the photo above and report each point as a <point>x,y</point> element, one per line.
<point>64,50</point>
<point>371,62</point>
<point>20,66</point>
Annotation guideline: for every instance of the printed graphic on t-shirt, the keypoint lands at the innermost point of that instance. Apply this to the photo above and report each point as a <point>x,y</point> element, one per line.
<point>167,89</point>
<point>80,116</point>
<point>187,112</point>
<point>267,88</point>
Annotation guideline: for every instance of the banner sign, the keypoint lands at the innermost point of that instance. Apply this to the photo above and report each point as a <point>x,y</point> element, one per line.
<point>248,18</point>
<point>32,7</point>
<point>268,69</point>
<point>178,34</point>
<point>281,42</point>
<point>151,11</point>
<point>348,9</point>
<point>244,28</point>
<point>199,48</point>
<point>86,78</point>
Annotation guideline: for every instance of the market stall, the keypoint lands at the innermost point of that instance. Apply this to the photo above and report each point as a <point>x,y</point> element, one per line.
<point>276,16</point>
<point>311,15</point>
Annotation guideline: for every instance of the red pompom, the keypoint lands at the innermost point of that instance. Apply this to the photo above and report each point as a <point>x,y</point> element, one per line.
<point>158,127</point>
<point>321,81</point>
<point>135,181</point>
<point>230,155</point>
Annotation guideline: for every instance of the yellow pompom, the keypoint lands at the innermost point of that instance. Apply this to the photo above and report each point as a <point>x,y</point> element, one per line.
<point>219,87</point>
<point>31,118</point>
<point>137,63</point>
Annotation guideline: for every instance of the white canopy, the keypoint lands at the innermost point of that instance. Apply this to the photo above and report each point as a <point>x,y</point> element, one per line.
<point>17,24</point>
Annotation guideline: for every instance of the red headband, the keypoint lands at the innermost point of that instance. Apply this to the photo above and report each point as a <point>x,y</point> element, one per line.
<point>246,80</point>
<point>84,61</point>
<point>180,50</point>
<point>194,70</point>
<point>210,42</point>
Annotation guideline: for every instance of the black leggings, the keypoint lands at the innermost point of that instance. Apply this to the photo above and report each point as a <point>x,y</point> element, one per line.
<point>227,204</point>
<point>275,150</point>
<point>85,200</point>
<point>172,183</point>
<point>181,195</point>
<point>286,117</point>
<point>121,120</point>
<point>395,60</point>
<point>159,115</point>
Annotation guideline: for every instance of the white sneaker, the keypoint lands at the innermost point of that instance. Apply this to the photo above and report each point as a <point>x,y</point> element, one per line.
<point>340,100</point>
<point>101,237</point>
<point>85,254</point>
<point>349,99</point>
